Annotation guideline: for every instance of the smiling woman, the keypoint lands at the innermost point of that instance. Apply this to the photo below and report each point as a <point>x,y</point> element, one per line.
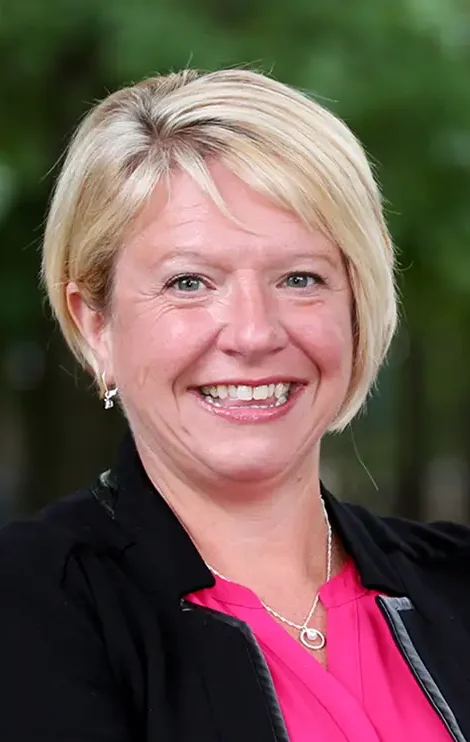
<point>219,309</point>
<point>217,257</point>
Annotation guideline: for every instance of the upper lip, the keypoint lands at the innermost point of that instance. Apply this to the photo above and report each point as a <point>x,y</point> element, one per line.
<point>255,382</point>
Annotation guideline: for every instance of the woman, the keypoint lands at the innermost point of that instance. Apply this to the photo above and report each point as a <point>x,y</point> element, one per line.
<point>217,257</point>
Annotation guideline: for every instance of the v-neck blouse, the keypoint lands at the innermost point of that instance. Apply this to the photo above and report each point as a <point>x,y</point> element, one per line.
<point>368,692</point>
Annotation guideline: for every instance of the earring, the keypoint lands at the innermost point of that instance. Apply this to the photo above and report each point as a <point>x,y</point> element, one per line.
<point>108,401</point>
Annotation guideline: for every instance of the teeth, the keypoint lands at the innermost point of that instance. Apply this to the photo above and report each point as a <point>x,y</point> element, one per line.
<point>280,390</point>
<point>278,393</point>
<point>261,392</point>
<point>245,393</point>
<point>223,391</point>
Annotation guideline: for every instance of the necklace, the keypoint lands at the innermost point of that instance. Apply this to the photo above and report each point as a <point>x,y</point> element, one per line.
<point>310,637</point>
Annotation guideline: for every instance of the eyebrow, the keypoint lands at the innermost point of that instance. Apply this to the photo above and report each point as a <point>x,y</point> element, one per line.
<point>186,252</point>
<point>183,252</point>
<point>319,255</point>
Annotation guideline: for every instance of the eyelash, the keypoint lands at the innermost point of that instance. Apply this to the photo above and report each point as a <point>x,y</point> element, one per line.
<point>172,283</point>
<point>319,281</point>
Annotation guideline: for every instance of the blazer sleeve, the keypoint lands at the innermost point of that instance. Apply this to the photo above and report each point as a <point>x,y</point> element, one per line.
<point>55,681</point>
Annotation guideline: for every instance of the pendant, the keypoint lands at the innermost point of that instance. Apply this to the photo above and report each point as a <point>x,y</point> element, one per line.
<point>312,638</point>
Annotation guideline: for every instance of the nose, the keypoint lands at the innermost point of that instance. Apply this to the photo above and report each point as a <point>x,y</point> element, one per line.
<point>252,325</point>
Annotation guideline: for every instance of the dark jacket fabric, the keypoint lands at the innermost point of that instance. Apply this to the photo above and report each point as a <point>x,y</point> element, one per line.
<point>97,643</point>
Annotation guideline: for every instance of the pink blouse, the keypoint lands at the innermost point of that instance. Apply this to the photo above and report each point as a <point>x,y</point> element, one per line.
<point>368,693</point>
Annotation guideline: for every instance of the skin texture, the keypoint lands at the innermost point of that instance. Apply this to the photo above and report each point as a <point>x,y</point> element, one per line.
<point>245,318</point>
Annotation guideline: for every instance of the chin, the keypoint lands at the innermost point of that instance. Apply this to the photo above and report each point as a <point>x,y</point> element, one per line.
<point>246,465</point>
<point>254,474</point>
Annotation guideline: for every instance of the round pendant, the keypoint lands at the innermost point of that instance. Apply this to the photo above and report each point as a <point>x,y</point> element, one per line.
<point>312,638</point>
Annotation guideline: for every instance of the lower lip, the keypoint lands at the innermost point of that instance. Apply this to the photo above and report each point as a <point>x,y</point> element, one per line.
<point>252,414</point>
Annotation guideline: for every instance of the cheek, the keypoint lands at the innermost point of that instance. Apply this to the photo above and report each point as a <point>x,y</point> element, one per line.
<point>160,345</point>
<point>327,339</point>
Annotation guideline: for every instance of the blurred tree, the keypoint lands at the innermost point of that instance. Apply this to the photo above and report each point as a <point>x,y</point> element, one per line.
<point>396,72</point>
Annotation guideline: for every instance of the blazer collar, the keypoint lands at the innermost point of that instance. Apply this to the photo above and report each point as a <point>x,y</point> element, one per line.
<point>161,544</point>
<point>370,542</point>
<point>164,548</point>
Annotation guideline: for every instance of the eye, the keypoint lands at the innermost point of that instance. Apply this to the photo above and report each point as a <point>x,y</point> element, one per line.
<point>303,280</point>
<point>188,283</point>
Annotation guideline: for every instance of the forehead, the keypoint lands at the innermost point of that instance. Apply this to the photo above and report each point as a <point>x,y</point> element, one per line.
<point>183,217</point>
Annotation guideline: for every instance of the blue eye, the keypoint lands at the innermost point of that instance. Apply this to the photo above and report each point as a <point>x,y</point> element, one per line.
<point>187,283</point>
<point>302,280</point>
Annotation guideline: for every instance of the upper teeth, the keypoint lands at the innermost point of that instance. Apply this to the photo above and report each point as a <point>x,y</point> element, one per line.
<point>247,393</point>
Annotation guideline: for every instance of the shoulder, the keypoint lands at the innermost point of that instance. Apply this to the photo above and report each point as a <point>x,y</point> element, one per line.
<point>399,556</point>
<point>41,539</point>
<point>43,546</point>
<point>55,662</point>
<point>41,581</point>
<point>49,564</point>
<point>418,540</point>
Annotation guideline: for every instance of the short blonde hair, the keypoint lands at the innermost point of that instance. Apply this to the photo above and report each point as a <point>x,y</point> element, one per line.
<point>278,140</point>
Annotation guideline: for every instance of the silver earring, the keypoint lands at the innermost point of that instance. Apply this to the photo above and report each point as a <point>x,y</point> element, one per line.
<point>109,394</point>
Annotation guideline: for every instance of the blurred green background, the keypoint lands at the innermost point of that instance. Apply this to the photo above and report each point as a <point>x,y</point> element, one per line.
<point>398,72</point>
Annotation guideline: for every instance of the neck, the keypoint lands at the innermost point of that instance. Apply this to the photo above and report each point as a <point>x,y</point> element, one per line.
<point>257,534</point>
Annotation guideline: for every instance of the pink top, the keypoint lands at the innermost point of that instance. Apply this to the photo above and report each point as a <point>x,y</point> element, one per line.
<point>368,693</point>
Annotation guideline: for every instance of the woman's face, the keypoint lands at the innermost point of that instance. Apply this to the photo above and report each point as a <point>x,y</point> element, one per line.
<point>231,343</point>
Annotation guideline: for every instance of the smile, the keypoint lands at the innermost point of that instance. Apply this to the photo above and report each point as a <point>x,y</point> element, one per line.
<point>264,396</point>
<point>248,404</point>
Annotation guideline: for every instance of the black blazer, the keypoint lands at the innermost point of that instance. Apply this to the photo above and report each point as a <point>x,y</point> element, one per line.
<point>97,643</point>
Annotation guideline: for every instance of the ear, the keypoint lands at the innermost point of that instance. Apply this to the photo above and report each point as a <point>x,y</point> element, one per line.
<point>95,330</point>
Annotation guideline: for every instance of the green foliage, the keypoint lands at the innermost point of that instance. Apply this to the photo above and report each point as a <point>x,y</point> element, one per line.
<point>398,72</point>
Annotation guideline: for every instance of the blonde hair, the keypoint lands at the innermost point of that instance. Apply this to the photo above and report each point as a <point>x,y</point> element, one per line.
<point>274,137</point>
